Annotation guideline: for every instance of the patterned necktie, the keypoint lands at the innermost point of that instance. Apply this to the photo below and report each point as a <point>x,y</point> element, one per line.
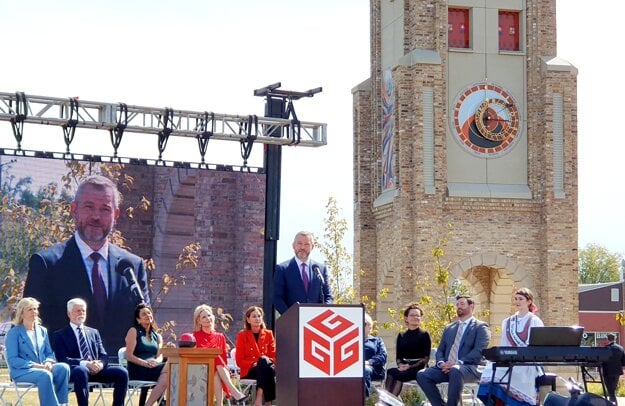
<point>84,348</point>
<point>305,277</point>
<point>99,291</point>
<point>453,354</point>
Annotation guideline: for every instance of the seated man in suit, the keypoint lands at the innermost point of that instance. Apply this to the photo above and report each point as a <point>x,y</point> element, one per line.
<point>300,279</point>
<point>81,347</point>
<point>457,356</point>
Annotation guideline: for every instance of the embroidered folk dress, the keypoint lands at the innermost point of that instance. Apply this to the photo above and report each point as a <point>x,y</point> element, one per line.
<point>522,391</point>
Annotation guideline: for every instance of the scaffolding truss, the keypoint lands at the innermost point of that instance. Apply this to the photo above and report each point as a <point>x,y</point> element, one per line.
<point>73,113</point>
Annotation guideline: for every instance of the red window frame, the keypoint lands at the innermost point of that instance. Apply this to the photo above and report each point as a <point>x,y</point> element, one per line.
<point>508,30</point>
<point>458,28</point>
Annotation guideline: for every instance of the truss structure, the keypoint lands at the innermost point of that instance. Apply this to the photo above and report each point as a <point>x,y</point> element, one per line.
<point>72,113</point>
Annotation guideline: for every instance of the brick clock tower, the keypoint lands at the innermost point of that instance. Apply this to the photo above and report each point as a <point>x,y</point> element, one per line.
<point>469,118</point>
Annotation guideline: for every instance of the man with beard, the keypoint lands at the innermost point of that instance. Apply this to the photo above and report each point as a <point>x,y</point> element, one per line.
<point>457,356</point>
<point>85,266</point>
<point>300,279</point>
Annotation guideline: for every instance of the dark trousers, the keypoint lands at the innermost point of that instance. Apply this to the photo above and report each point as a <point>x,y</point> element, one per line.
<point>116,375</point>
<point>265,374</point>
<point>457,377</point>
<point>611,382</point>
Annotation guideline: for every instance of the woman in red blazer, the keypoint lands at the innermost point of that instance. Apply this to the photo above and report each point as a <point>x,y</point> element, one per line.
<point>256,355</point>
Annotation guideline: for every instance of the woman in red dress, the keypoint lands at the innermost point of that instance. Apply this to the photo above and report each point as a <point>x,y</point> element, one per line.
<point>206,337</point>
<point>256,355</point>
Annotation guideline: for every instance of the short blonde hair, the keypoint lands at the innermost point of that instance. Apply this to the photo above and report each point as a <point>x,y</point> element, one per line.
<point>196,315</point>
<point>23,305</point>
<point>368,319</point>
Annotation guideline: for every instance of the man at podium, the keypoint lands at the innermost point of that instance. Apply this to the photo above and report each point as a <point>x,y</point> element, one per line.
<point>300,279</point>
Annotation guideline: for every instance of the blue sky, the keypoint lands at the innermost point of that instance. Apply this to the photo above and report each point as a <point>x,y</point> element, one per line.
<point>210,55</point>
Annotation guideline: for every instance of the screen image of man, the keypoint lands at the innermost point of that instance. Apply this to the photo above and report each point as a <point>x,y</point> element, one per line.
<point>81,348</point>
<point>300,279</point>
<point>86,266</point>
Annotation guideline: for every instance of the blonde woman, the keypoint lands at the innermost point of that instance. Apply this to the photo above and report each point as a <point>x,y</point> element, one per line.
<point>30,357</point>
<point>206,337</point>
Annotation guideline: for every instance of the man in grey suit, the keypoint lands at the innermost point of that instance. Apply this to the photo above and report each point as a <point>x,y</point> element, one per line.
<point>457,356</point>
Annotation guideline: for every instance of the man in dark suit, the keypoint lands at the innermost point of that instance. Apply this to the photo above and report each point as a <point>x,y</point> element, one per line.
<point>613,368</point>
<point>300,279</point>
<point>457,356</point>
<point>86,265</point>
<point>81,347</point>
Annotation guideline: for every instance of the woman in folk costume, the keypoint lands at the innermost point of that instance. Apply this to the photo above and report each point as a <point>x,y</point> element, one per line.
<point>515,333</point>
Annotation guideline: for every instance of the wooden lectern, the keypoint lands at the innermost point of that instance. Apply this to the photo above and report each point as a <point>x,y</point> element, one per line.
<point>195,363</point>
<point>319,355</point>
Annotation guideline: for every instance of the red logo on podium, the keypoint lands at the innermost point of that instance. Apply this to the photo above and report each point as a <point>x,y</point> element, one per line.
<point>331,343</point>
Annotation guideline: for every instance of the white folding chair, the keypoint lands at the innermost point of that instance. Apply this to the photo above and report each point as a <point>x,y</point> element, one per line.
<point>21,388</point>
<point>134,386</point>
<point>244,385</point>
<point>468,395</point>
<point>93,387</point>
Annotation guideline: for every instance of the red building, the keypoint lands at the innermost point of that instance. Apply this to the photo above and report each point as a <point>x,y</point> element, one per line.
<point>599,303</point>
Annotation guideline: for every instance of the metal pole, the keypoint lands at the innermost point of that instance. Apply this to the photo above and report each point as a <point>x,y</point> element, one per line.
<point>274,107</point>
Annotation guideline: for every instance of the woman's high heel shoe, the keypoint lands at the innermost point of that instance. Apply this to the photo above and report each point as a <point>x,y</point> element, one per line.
<point>243,400</point>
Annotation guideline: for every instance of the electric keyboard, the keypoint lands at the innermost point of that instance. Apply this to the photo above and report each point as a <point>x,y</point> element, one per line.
<point>547,354</point>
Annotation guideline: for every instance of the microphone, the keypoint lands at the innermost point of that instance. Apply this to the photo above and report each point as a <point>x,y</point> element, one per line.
<point>125,268</point>
<point>317,271</point>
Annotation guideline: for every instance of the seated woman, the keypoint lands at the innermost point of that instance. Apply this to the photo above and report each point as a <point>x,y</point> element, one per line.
<point>30,357</point>
<point>515,332</point>
<point>256,354</point>
<point>143,353</point>
<point>413,351</point>
<point>206,337</point>
<point>375,356</point>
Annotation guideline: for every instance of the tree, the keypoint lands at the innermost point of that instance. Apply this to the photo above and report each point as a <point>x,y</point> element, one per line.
<point>338,260</point>
<point>598,265</point>
<point>435,293</point>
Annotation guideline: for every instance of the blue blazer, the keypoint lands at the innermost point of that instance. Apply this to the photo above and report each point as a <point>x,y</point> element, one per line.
<point>67,349</point>
<point>58,274</point>
<point>475,338</point>
<point>288,287</point>
<point>21,355</point>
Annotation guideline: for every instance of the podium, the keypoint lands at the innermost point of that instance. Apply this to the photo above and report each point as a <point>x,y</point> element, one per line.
<point>191,375</point>
<point>319,355</point>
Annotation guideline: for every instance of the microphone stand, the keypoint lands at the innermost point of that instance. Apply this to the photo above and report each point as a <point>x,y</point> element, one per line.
<point>322,282</point>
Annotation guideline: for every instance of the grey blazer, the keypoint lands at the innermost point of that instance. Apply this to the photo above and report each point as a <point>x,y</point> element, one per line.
<point>475,339</point>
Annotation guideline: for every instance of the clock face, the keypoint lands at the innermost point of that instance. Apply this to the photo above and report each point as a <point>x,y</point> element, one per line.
<point>485,120</point>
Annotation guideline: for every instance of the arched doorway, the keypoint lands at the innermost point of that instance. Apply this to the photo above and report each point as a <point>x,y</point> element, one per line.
<point>492,279</point>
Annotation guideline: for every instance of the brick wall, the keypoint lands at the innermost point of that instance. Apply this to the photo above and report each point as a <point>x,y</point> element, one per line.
<point>225,213</point>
